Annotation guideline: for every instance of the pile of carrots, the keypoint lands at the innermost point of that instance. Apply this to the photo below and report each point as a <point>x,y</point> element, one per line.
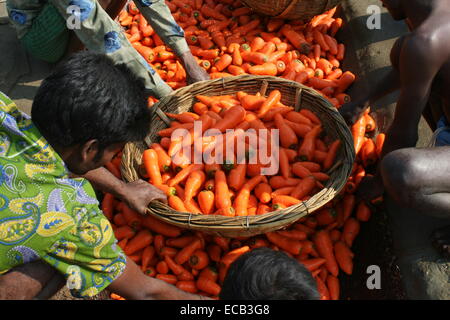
<point>301,51</point>
<point>198,262</point>
<point>238,187</point>
<point>228,39</point>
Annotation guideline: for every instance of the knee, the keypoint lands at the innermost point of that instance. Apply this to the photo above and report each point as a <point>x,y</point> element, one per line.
<point>402,175</point>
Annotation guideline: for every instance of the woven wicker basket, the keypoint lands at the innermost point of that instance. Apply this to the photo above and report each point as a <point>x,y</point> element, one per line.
<point>293,94</point>
<point>291,9</point>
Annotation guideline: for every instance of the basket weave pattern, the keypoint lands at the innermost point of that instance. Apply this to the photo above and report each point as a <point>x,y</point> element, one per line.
<point>291,9</point>
<point>293,94</point>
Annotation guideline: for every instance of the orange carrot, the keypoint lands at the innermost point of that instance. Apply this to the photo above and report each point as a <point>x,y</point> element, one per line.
<point>206,201</point>
<point>222,195</point>
<point>331,154</point>
<point>142,239</point>
<point>160,227</point>
<point>292,246</point>
<point>324,246</point>
<point>350,231</point>
<point>184,254</point>
<point>199,260</point>
<point>306,150</point>
<point>344,257</point>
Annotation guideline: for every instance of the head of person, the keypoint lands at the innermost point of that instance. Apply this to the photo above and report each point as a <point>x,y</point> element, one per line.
<point>395,8</point>
<point>266,274</point>
<point>88,109</point>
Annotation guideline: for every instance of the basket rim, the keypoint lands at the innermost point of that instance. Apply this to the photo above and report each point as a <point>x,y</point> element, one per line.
<point>215,223</point>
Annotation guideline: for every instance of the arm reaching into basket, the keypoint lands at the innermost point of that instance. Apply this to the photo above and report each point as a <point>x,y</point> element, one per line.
<point>133,284</point>
<point>137,194</point>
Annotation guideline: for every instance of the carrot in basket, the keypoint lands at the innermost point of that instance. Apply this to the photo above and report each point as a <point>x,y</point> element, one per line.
<point>294,247</point>
<point>236,177</point>
<point>164,161</point>
<point>277,182</point>
<point>306,150</point>
<point>151,165</point>
<point>311,116</point>
<point>324,246</point>
<point>240,204</point>
<point>142,239</point>
<point>285,200</point>
<point>184,173</point>
<point>206,201</point>
<point>222,195</point>
<point>331,154</point>
<point>232,118</point>
<point>177,204</point>
<point>288,138</point>
<point>297,117</point>
<point>160,227</point>
<point>313,264</point>
<point>263,192</point>
<point>193,184</point>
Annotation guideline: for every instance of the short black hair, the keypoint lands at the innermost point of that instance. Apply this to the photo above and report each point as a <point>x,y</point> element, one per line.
<point>267,274</point>
<point>88,97</point>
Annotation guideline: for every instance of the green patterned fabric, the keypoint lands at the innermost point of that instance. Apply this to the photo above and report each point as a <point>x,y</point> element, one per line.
<point>46,215</point>
<point>48,37</point>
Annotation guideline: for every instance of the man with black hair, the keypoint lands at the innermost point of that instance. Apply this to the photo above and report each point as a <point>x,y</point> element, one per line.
<point>266,274</point>
<point>82,115</point>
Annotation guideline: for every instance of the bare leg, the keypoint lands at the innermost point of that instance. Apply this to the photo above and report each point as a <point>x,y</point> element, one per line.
<point>27,281</point>
<point>419,179</point>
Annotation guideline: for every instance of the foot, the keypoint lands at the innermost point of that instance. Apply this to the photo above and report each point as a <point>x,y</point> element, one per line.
<point>440,239</point>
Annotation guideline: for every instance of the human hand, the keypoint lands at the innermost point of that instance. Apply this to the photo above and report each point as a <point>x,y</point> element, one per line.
<point>352,111</point>
<point>138,194</point>
<point>194,72</point>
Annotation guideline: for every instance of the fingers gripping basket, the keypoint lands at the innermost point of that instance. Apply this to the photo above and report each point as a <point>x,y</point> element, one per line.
<point>293,94</point>
<point>291,9</point>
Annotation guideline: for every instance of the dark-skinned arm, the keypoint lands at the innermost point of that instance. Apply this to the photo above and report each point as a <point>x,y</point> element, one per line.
<point>417,71</point>
<point>160,18</point>
<point>137,194</point>
<point>133,284</point>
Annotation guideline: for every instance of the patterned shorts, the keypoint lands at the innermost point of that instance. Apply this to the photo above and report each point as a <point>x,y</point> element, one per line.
<point>48,37</point>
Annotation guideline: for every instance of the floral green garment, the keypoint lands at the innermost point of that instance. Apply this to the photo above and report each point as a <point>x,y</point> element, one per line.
<point>46,215</point>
